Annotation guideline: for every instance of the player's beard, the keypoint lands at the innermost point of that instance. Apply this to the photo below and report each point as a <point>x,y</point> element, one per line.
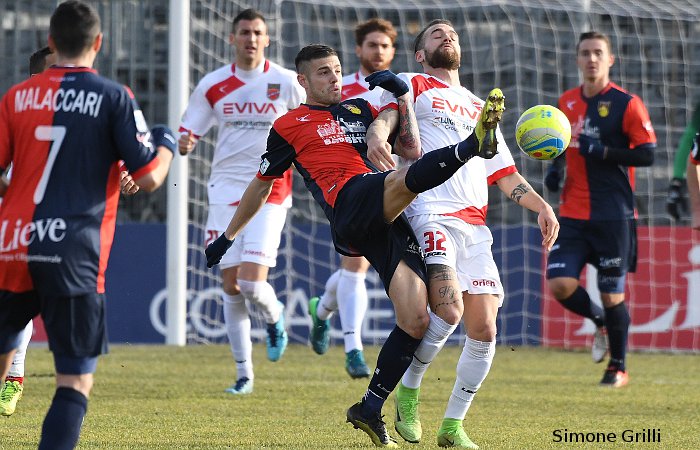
<point>371,66</point>
<point>443,58</point>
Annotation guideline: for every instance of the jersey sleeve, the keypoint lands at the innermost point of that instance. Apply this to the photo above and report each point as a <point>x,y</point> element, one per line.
<point>636,124</point>
<point>199,116</point>
<point>278,158</point>
<point>131,136</point>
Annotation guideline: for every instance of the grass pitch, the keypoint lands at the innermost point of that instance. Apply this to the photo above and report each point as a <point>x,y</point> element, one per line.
<point>159,397</point>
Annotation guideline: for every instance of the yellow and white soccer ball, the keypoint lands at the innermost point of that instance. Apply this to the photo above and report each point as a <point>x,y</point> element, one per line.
<point>543,132</point>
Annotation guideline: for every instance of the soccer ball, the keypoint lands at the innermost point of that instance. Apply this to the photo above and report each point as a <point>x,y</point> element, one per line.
<point>543,132</point>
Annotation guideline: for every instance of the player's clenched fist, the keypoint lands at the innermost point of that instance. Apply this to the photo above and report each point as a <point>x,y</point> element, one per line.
<point>379,153</point>
<point>216,250</point>
<point>186,142</point>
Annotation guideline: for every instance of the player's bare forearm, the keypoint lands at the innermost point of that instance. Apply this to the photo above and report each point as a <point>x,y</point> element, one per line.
<point>693,174</point>
<point>378,147</point>
<point>409,136</point>
<point>3,185</point>
<point>253,199</point>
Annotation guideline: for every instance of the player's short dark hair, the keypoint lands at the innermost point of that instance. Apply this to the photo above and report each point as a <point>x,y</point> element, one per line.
<point>248,14</point>
<point>594,35</point>
<point>419,43</point>
<point>372,25</point>
<point>37,60</point>
<point>311,52</point>
<point>73,27</point>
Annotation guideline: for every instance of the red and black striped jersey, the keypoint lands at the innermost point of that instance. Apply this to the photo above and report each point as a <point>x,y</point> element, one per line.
<point>327,145</point>
<point>598,189</point>
<point>64,132</point>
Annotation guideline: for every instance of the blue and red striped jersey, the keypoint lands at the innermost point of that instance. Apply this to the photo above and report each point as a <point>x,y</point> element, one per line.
<point>327,145</point>
<point>64,132</point>
<point>598,189</point>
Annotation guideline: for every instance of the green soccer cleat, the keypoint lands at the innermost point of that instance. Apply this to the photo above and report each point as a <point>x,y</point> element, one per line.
<point>451,434</point>
<point>355,364</point>
<point>485,130</point>
<point>407,422</point>
<point>320,329</point>
<point>9,396</point>
<point>277,338</point>
<point>374,426</point>
<point>242,386</point>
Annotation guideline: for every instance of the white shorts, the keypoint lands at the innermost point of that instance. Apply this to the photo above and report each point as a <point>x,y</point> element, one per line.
<point>257,242</point>
<point>464,247</point>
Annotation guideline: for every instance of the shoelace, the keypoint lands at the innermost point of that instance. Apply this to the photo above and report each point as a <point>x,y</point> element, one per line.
<point>10,389</point>
<point>408,414</point>
<point>272,334</point>
<point>240,383</point>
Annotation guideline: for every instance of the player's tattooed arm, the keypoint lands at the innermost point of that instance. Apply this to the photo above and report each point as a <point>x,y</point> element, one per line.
<point>409,137</point>
<point>520,190</point>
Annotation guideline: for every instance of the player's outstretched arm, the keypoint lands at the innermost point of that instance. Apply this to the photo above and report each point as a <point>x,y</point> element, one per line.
<point>520,191</point>
<point>253,199</point>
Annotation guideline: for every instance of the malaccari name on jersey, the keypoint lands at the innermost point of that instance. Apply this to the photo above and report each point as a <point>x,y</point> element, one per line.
<point>66,100</point>
<point>23,234</point>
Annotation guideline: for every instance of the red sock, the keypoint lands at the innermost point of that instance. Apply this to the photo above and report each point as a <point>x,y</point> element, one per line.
<point>20,379</point>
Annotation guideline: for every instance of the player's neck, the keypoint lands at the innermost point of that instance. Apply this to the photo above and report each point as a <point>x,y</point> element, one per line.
<point>248,64</point>
<point>593,87</point>
<point>85,60</point>
<point>449,76</point>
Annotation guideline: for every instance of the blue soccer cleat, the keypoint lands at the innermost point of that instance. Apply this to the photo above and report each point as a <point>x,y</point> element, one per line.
<point>277,338</point>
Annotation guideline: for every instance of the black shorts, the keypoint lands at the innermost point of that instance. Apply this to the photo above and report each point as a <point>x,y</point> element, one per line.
<point>359,229</point>
<point>75,326</point>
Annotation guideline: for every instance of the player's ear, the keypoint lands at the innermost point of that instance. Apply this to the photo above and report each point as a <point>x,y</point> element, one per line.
<point>420,56</point>
<point>302,80</point>
<point>232,38</point>
<point>358,50</point>
<point>267,40</point>
<point>97,43</point>
<point>51,44</point>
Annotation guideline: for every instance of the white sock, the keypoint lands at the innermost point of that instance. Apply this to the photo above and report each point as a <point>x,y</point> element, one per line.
<point>262,294</point>
<point>473,366</point>
<point>352,306</point>
<point>237,321</point>
<point>435,337</point>
<point>329,300</point>
<point>17,366</point>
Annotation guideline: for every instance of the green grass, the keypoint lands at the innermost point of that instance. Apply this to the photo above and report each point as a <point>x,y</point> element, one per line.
<point>158,397</point>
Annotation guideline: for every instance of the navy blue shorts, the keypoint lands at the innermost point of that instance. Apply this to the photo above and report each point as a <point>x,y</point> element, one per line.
<point>76,327</point>
<point>609,245</point>
<point>359,228</point>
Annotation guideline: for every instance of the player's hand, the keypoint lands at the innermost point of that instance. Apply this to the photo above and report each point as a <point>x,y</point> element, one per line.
<point>186,142</point>
<point>216,250</point>
<point>552,179</point>
<point>677,201</point>
<point>590,147</point>
<point>379,154</point>
<point>386,79</point>
<point>549,226</point>
<point>127,184</point>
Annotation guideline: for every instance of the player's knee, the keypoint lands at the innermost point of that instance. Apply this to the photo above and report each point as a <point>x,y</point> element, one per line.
<point>452,313</point>
<point>252,290</point>
<point>560,289</point>
<point>230,287</point>
<point>485,331</point>
<point>81,383</point>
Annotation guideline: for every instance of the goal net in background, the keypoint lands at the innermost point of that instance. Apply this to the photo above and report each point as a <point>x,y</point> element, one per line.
<point>527,48</point>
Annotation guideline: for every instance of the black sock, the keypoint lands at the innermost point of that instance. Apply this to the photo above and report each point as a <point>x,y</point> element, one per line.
<point>393,360</point>
<point>580,303</point>
<point>62,423</point>
<point>437,166</point>
<point>617,321</point>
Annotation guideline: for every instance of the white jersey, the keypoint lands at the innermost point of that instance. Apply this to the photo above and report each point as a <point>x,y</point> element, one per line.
<point>244,104</point>
<point>355,86</point>
<point>447,115</point>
